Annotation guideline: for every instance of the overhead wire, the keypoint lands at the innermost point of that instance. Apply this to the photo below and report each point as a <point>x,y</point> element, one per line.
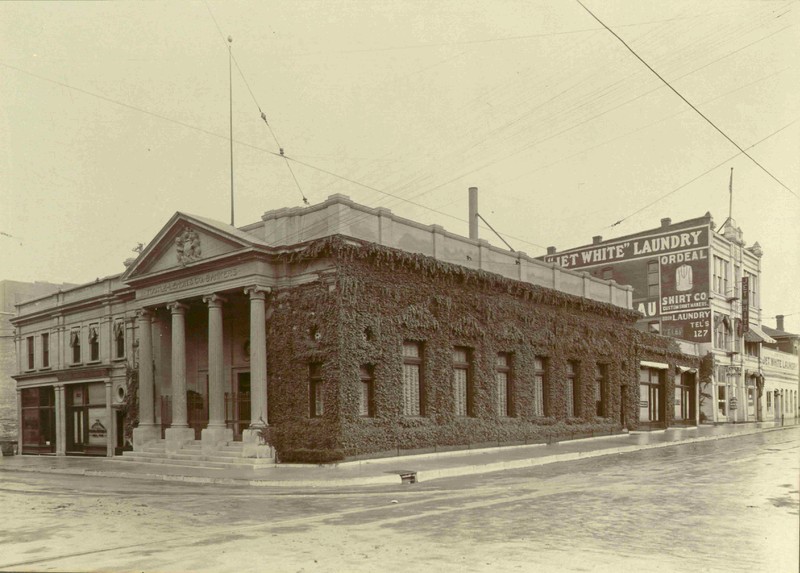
<point>252,95</point>
<point>701,114</point>
<point>718,165</point>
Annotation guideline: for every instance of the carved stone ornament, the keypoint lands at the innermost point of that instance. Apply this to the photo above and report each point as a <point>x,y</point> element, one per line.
<point>187,246</point>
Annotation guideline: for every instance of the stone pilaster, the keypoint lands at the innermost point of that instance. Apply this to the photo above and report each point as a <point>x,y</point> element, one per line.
<point>179,431</point>
<point>216,432</point>
<point>61,426</point>
<point>147,430</point>
<point>110,432</point>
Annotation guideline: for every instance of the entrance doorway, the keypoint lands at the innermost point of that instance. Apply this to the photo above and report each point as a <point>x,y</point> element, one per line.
<point>237,405</point>
<point>685,399</point>
<point>87,419</point>
<point>651,404</point>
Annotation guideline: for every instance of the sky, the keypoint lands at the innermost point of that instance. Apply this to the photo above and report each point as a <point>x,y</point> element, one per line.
<point>115,115</point>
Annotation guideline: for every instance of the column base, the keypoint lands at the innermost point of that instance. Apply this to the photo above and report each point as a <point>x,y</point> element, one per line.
<point>252,446</point>
<point>213,438</point>
<point>177,437</point>
<point>143,435</point>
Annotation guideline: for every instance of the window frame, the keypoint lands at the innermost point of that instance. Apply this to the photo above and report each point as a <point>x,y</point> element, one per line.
<point>416,363</point>
<point>366,408</point>
<point>119,338</point>
<point>30,352</point>
<point>653,278</point>
<point>464,366</point>
<point>45,340</point>
<point>572,379</point>
<point>93,338</point>
<point>316,397</point>
<point>540,383</point>
<point>504,369</point>
<point>75,344</point>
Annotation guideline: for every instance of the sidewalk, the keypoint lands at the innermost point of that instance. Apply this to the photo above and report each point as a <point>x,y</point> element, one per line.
<point>387,471</point>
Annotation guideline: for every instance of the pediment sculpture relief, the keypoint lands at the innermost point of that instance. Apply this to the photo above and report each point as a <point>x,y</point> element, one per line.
<point>187,246</point>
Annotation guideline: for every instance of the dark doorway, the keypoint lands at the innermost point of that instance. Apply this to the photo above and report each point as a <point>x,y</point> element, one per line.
<point>38,420</point>
<point>237,405</point>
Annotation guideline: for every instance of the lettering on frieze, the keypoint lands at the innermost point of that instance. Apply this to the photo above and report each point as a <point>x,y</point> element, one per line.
<point>190,282</point>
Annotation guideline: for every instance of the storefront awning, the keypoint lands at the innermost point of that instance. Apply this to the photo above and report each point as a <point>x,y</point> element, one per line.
<point>755,334</point>
<point>687,369</point>
<point>660,365</point>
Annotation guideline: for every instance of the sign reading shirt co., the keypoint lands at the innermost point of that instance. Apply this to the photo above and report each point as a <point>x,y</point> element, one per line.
<point>647,247</point>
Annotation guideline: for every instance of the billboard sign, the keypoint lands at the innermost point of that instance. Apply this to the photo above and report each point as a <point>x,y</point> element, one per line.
<point>644,247</point>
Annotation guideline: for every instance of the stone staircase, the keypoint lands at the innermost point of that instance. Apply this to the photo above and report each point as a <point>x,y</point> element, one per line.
<point>227,456</point>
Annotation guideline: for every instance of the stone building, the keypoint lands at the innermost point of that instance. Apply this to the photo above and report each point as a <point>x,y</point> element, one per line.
<point>11,294</point>
<point>331,331</point>
<point>701,284</point>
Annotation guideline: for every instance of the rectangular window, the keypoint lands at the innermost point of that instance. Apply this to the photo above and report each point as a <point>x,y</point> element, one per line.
<point>315,397</point>
<point>366,406</point>
<point>722,332</point>
<point>119,338</point>
<point>652,279</point>
<point>94,343</point>
<point>75,344</point>
<point>600,389</point>
<point>412,379</point>
<point>722,401</point>
<point>46,350</point>
<point>539,386</point>
<point>753,281</point>
<point>769,400</point>
<point>462,383</point>
<point>572,390</point>
<point>505,390</point>
<point>29,343</point>
<point>720,278</point>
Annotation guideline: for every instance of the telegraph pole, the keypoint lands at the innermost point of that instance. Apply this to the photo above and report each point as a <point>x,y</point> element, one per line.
<point>230,98</point>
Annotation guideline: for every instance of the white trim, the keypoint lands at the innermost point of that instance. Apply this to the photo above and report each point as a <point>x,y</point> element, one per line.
<point>659,365</point>
<point>683,369</point>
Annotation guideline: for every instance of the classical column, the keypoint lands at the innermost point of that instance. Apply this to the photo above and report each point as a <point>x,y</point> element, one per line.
<point>216,432</point>
<point>61,411</point>
<point>147,430</point>
<point>110,433</point>
<point>179,431</point>
<point>258,356</point>
<point>258,372</point>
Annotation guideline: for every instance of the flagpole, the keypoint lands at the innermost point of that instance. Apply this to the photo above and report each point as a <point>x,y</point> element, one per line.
<point>730,203</point>
<point>230,98</point>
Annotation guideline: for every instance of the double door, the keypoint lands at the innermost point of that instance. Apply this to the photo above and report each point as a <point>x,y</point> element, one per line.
<point>87,419</point>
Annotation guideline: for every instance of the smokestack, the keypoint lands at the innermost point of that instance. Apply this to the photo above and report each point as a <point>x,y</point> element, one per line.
<point>779,321</point>
<point>597,239</point>
<point>551,250</point>
<point>666,222</point>
<point>473,212</point>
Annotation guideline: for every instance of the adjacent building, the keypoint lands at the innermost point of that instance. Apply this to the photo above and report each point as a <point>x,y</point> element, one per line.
<point>337,330</point>
<point>11,294</point>
<point>698,283</point>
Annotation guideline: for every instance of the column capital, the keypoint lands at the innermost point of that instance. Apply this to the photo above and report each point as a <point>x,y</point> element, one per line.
<point>177,307</point>
<point>214,300</point>
<point>257,292</point>
<point>144,314</point>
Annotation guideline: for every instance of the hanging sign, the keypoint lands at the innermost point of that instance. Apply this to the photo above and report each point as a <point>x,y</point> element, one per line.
<point>745,303</point>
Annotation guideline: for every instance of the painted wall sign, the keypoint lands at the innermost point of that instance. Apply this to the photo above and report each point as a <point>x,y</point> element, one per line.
<point>646,247</point>
<point>684,281</point>
<point>782,361</point>
<point>694,326</point>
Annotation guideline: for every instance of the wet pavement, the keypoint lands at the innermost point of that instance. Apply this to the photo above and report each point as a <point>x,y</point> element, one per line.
<point>705,505</point>
<point>388,470</point>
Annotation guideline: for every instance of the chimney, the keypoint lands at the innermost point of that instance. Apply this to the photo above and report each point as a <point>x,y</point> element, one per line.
<point>473,212</point>
<point>779,321</point>
<point>551,250</point>
<point>597,239</point>
<point>666,222</point>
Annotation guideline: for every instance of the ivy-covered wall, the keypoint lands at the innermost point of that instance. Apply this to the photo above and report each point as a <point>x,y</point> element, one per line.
<point>375,298</point>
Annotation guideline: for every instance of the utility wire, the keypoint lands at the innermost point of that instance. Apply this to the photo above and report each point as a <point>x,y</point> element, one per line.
<point>711,123</point>
<point>255,101</point>
<point>701,175</point>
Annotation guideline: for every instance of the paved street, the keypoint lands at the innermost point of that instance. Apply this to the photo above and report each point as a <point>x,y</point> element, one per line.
<point>727,505</point>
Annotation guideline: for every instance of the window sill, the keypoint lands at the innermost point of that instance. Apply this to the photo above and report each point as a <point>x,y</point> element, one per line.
<point>74,364</point>
<point>118,359</point>
<point>93,362</point>
<point>45,368</point>
<point>28,370</point>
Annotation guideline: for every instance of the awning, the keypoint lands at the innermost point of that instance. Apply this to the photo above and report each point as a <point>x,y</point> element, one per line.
<point>755,334</point>
<point>659,365</point>
<point>687,369</point>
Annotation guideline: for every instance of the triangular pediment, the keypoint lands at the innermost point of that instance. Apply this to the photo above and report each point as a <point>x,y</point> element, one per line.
<point>188,240</point>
